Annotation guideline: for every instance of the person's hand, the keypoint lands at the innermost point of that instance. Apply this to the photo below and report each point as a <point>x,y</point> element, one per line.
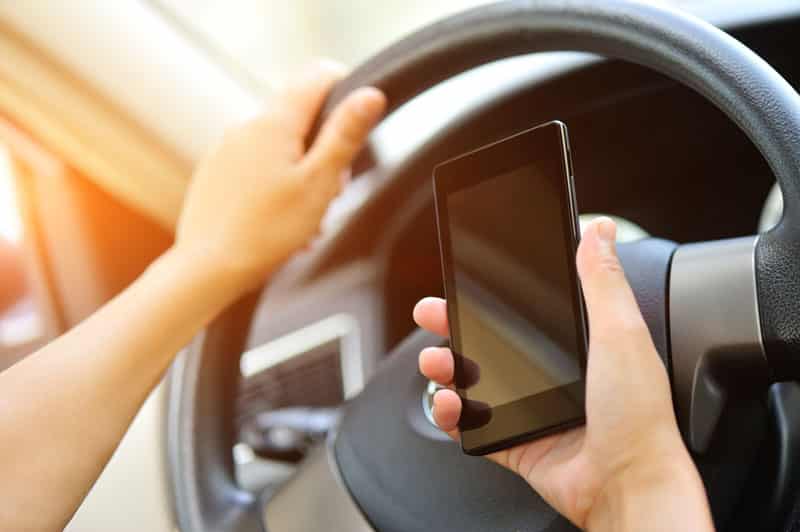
<point>629,459</point>
<point>259,196</point>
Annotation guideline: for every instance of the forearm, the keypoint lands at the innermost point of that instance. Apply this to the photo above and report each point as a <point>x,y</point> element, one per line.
<point>64,409</point>
<point>257,198</point>
<point>653,500</point>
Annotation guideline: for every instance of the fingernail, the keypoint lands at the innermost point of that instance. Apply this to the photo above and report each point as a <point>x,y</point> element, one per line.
<point>371,102</point>
<point>607,232</point>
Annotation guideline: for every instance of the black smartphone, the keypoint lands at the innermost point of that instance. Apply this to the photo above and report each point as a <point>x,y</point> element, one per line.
<point>508,234</point>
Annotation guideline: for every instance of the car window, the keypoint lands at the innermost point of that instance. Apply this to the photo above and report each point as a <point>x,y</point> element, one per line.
<point>21,325</point>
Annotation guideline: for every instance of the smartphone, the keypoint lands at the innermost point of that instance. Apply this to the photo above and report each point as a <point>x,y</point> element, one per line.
<point>508,234</point>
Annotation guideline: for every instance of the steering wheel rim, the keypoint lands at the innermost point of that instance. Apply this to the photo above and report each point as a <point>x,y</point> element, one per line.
<point>721,69</point>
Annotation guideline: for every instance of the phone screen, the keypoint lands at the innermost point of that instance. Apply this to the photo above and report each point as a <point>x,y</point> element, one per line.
<point>516,316</point>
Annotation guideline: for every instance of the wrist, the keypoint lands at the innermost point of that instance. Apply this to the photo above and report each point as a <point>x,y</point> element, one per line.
<point>206,272</point>
<point>665,493</point>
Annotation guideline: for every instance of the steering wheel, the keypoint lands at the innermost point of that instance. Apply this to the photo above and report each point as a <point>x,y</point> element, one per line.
<point>723,314</point>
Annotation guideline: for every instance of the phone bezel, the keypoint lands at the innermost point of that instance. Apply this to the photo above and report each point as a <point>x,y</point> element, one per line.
<point>486,163</point>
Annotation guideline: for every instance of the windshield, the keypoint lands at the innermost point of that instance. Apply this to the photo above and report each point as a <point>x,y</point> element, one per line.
<point>270,39</point>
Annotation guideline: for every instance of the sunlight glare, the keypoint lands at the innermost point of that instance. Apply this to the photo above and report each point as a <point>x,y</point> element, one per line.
<point>10,225</point>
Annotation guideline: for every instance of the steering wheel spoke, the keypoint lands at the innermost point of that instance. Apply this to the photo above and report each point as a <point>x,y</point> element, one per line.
<point>715,332</point>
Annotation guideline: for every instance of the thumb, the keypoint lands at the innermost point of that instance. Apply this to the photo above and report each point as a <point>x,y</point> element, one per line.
<point>610,303</point>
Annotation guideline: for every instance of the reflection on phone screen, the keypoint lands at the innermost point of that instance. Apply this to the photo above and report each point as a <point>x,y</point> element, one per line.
<point>515,306</point>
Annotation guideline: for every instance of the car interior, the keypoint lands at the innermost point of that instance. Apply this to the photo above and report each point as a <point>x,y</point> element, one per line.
<point>301,407</point>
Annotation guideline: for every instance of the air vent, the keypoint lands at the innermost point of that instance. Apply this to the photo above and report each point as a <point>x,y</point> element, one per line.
<point>316,366</point>
<point>312,379</point>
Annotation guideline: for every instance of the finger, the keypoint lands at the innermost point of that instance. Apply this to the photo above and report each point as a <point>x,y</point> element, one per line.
<point>436,363</point>
<point>447,410</point>
<point>300,100</point>
<point>610,302</point>
<point>343,134</point>
<point>431,314</point>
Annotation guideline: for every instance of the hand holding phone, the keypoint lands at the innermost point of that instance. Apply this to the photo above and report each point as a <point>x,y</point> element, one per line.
<point>628,463</point>
<point>508,235</point>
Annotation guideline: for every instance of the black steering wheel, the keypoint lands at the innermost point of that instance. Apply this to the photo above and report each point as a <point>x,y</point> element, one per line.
<point>723,314</point>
